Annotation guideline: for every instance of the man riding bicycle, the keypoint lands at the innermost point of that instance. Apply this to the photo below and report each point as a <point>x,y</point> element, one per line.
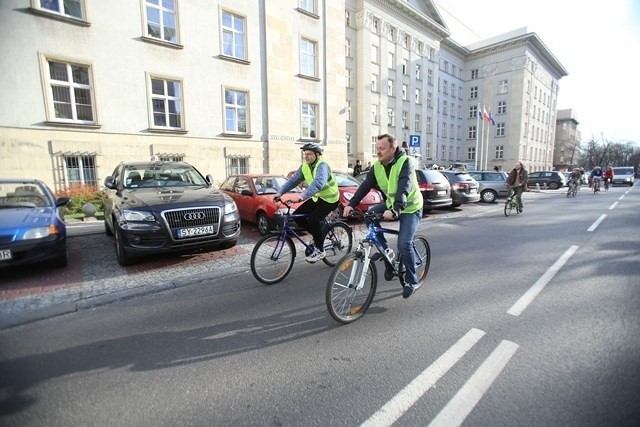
<point>320,198</point>
<point>596,176</point>
<point>608,177</point>
<point>517,181</point>
<point>576,178</point>
<point>394,174</point>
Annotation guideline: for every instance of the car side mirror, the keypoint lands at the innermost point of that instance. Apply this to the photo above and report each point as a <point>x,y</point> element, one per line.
<point>109,182</point>
<point>62,201</point>
<point>209,179</point>
<point>246,193</point>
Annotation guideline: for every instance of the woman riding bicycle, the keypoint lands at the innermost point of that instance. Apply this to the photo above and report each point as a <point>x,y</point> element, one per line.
<point>320,198</point>
<point>395,176</point>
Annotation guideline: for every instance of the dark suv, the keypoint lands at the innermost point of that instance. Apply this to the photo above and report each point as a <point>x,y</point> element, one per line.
<point>547,179</point>
<point>158,207</point>
<point>464,189</point>
<point>435,189</point>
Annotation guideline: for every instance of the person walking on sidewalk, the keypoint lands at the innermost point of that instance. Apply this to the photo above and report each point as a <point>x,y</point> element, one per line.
<point>394,174</point>
<point>320,197</point>
<point>517,181</point>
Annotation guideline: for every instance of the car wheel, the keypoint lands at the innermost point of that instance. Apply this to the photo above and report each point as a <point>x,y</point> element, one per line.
<point>455,204</point>
<point>553,185</point>
<point>488,196</point>
<point>263,223</point>
<point>121,253</point>
<point>107,230</point>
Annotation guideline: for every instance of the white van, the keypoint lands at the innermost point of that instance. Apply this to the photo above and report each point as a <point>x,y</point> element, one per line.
<point>623,175</point>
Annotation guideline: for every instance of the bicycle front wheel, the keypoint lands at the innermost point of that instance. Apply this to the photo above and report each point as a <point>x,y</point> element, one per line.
<point>508,206</point>
<point>337,242</point>
<point>423,257</point>
<point>346,301</point>
<point>272,258</point>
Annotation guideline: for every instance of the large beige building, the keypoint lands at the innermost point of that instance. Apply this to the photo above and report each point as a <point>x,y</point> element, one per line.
<point>240,85</point>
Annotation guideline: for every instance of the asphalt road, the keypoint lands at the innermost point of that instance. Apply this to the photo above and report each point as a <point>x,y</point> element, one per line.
<point>526,320</point>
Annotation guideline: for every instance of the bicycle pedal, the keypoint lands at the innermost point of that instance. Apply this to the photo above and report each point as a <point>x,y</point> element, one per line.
<point>389,274</point>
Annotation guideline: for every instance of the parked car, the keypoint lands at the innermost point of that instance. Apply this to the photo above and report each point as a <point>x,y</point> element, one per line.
<point>492,184</point>
<point>464,189</point>
<point>253,194</point>
<point>161,207</point>
<point>435,189</point>
<point>348,185</point>
<point>31,229</point>
<point>552,179</point>
<point>623,176</point>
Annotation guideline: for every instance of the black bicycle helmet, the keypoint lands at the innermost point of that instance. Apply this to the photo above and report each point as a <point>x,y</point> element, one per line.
<point>312,146</point>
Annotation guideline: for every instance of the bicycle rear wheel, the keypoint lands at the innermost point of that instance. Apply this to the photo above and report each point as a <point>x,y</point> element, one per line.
<point>345,302</point>
<point>423,257</point>
<point>337,242</point>
<point>272,258</point>
<point>508,206</point>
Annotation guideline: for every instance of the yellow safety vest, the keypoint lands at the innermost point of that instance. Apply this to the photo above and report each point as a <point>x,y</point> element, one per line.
<point>329,193</point>
<point>389,186</point>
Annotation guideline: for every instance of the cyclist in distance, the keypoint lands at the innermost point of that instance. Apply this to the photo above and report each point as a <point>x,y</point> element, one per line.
<point>517,180</point>
<point>608,176</point>
<point>596,175</point>
<point>576,177</point>
<point>320,197</point>
<point>394,174</point>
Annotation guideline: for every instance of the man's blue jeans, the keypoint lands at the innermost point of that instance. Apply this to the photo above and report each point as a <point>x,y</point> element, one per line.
<point>406,232</point>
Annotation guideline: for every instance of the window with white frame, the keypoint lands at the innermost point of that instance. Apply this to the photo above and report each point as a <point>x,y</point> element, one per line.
<point>472,132</point>
<point>348,139</point>
<point>67,8</point>
<point>308,58</point>
<point>445,87</point>
<point>405,122</point>
<point>499,152</point>
<point>502,107</point>
<point>390,87</point>
<point>429,99</point>
<point>236,105</point>
<point>500,130</point>
<point>373,145</point>
<point>348,78</point>
<point>166,103</point>
<point>427,151</point>
<point>473,92</point>
<point>503,87</point>
<point>475,74</point>
<point>471,153</point>
<point>418,72</point>
<point>452,110</point>
<point>374,54</point>
<point>430,76</point>
<point>416,123</point>
<point>374,83</point>
<point>374,114</point>
<point>418,96</point>
<point>234,36</point>
<point>348,111</point>
<point>391,64</point>
<point>405,66</point>
<point>473,112</point>
<point>450,152</point>
<point>404,92</point>
<point>70,94</point>
<point>347,18</point>
<point>443,130</point>
<point>309,119</point>
<point>76,170</point>
<point>161,20</point>
<point>347,48</point>
<point>391,120</point>
<point>237,165</point>
<point>308,5</point>
<point>443,152</point>
<point>444,107</point>
<point>453,90</point>
<point>428,127</point>
<point>452,133</point>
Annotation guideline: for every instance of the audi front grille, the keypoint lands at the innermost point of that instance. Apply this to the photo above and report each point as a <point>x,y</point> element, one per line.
<point>192,217</point>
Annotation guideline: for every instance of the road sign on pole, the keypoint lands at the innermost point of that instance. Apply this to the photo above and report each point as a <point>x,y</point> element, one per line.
<point>414,141</point>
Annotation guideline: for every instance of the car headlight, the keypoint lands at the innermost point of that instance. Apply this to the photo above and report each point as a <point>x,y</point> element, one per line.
<point>283,211</point>
<point>230,207</point>
<point>131,215</point>
<point>36,233</point>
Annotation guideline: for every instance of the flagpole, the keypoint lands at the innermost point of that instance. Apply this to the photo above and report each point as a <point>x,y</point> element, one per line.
<point>486,157</point>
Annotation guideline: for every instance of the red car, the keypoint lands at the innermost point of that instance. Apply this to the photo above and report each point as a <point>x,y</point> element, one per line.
<point>348,185</point>
<point>253,193</point>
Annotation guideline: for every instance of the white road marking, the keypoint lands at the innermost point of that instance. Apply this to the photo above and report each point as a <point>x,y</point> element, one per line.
<point>613,205</point>
<point>597,222</point>
<point>409,395</point>
<point>537,287</point>
<point>461,405</point>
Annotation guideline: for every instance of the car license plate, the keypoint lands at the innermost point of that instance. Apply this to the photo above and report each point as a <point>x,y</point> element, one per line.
<point>442,192</point>
<point>194,231</point>
<point>5,255</point>
<point>473,191</point>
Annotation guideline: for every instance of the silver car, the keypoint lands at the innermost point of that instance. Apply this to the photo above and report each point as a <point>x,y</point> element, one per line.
<point>492,184</point>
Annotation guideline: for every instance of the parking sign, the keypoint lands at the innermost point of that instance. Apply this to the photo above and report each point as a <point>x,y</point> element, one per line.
<point>414,141</point>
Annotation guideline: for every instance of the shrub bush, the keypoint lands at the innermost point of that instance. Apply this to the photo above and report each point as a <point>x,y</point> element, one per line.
<point>80,195</point>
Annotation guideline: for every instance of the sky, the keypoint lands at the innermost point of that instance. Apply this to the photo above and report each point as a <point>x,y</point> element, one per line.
<point>598,43</point>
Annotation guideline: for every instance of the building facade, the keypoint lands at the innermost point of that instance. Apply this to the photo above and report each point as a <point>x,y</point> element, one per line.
<point>567,144</point>
<point>235,86</point>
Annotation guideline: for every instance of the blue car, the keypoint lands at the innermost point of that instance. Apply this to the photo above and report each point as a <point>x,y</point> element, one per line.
<point>31,231</point>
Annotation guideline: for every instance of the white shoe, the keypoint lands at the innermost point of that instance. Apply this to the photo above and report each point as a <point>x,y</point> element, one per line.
<point>315,256</point>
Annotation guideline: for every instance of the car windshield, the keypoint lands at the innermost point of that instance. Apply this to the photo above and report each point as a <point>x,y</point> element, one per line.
<point>22,195</point>
<point>162,175</point>
<point>272,185</point>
